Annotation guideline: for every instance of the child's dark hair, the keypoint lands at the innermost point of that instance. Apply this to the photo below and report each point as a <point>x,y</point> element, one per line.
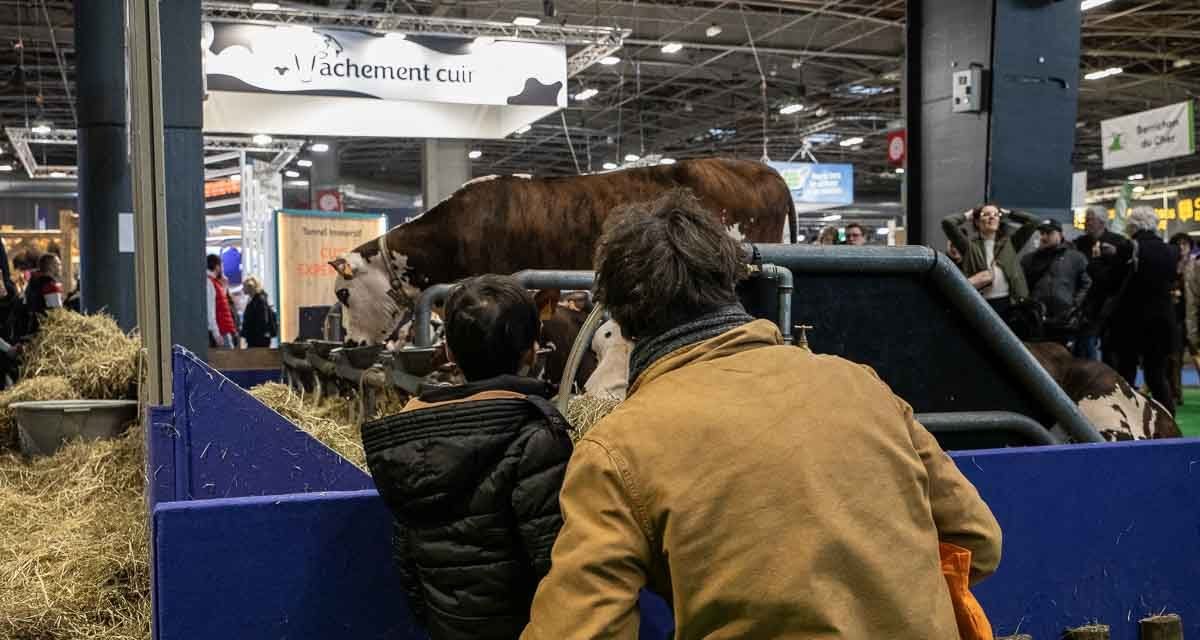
<point>491,322</point>
<point>213,261</point>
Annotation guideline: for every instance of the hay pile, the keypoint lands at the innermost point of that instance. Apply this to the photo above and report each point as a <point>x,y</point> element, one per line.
<point>43,388</point>
<point>583,412</point>
<point>74,553</point>
<point>90,351</point>
<point>326,423</point>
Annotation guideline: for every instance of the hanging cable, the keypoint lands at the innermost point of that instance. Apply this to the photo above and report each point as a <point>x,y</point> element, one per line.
<point>762,82</point>
<point>567,133</point>
<point>62,67</point>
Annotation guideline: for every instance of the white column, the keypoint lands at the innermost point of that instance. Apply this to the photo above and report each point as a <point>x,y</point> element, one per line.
<point>444,168</point>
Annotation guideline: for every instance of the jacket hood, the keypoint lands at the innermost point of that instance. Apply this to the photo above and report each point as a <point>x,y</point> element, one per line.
<point>752,335</point>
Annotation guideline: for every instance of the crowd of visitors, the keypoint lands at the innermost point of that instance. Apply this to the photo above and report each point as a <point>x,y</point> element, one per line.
<point>255,326</point>
<point>1129,300</point>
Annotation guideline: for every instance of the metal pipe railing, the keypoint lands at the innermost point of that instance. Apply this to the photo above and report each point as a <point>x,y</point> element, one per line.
<point>1028,429</point>
<point>783,277</point>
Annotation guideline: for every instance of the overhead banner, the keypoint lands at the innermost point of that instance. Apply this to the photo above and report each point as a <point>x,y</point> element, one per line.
<point>1157,134</point>
<point>827,184</point>
<point>294,79</point>
<point>306,242</point>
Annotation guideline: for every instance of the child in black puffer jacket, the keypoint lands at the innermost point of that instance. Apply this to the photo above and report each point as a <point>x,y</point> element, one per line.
<point>472,473</point>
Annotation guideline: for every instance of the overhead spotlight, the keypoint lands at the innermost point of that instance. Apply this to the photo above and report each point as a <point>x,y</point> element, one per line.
<point>526,21</point>
<point>850,142</point>
<point>319,147</point>
<point>672,47</point>
<point>832,217</point>
<point>42,129</point>
<point>632,157</point>
<point>1181,63</point>
<point>262,139</point>
<point>483,41</point>
<point>900,170</point>
<point>304,163</point>
<point>609,61</point>
<point>1136,176</point>
<point>667,161</point>
<point>713,30</point>
<point>265,6</point>
<point>794,107</point>
<point>1092,4</point>
<point>6,168</point>
<point>395,35</point>
<point>1103,73</point>
<point>475,154</point>
<point>608,166</point>
<point>586,94</point>
<point>291,174</point>
<point>57,174</point>
<point>797,63</point>
<point>524,129</point>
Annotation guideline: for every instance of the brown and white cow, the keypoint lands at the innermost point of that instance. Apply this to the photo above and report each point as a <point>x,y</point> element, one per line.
<point>506,224</point>
<point>1113,407</point>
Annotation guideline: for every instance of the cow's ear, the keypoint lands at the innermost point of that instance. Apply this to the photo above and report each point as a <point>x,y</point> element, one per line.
<point>547,300</point>
<point>342,266</point>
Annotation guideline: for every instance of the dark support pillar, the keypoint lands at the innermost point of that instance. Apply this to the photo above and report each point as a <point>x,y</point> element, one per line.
<point>182,129</point>
<point>106,275</point>
<point>1017,149</point>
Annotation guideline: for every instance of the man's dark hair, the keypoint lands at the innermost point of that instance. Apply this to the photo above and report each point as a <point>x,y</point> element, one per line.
<point>214,261</point>
<point>855,225</point>
<point>1183,237</point>
<point>46,261</point>
<point>663,263</point>
<point>491,322</point>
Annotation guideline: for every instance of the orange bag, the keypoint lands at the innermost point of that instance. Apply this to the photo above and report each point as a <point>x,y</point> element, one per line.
<point>956,567</point>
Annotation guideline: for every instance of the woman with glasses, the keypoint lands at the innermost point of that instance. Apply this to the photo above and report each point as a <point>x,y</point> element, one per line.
<point>989,249</point>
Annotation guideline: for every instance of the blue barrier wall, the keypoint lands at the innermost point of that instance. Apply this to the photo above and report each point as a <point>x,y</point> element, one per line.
<point>1092,532</point>
<point>250,378</point>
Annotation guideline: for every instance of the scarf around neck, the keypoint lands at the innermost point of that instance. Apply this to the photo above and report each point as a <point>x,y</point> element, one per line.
<point>647,352</point>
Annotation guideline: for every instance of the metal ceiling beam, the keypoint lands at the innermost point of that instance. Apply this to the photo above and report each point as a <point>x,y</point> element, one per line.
<point>779,51</point>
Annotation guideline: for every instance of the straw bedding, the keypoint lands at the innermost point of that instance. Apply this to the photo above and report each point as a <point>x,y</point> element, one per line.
<point>583,412</point>
<point>90,351</point>
<point>328,423</point>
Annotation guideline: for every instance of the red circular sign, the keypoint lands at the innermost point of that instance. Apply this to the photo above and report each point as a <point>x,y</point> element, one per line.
<point>896,149</point>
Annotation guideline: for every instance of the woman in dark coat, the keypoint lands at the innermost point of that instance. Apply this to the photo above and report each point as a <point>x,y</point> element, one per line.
<point>258,321</point>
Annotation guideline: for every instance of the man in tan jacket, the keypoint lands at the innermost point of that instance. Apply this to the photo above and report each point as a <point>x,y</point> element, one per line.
<point>764,491</point>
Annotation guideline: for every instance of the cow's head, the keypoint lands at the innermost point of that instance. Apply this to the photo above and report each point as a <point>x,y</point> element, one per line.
<point>371,314</point>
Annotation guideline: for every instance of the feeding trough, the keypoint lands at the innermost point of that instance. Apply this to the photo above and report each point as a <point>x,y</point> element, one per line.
<point>43,426</point>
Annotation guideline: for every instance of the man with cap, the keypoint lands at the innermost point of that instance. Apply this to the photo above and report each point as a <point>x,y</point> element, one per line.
<point>1058,278</point>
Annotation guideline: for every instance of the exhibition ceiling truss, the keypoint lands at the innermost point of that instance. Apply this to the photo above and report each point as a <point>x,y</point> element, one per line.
<point>688,78</point>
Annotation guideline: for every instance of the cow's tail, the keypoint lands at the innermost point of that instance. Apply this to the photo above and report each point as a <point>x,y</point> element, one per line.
<point>793,232</point>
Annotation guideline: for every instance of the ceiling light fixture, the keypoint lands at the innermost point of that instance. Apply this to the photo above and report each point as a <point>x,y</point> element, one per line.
<point>609,166</point>
<point>291,174</point>
<point>483,41</point>
<point>713,30</point>
<point>526,21</point>
<point>672,47</point>
<point>298,183</point>
<point>794,107</point>
<point>1103,73</point>
<point>585,94</point>
<point>265,6</point>
<point>1139,189</point>
<point>1181,63</point>
<point>395,35</point>
<point>632,157</point>
<point>524,129</point>
<point>609,61</point>
<point>304,163</point>
<point>850,142</point>
<point>881,231</point>
<point>900,170</point>
<point>319,147</point>
<point>57,174</point>
<point>832,218</point>
<point>667,161</point>
<point>1137,176</point>
<point>6,168</point>
<point>262,139</point>
<point>42,129</point>
<point>475,154</point>
<point>1092,4</point>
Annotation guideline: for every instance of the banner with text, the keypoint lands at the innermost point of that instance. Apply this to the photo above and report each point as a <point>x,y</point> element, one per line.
<point>306,242</point>
<point>1157,134</point>
<point>828,184</point>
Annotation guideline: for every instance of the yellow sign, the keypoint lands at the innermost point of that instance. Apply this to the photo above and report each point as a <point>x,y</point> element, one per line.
<point>307,241</point>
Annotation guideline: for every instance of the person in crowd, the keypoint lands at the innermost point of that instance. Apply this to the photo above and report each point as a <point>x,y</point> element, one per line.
<point>1179,343</point>
<point>1144,317</point>
<point>1191,299</point>
<point>10,305</point>
<point>855,235</point>
<point>222,328</point>
<point>990,252</point>
<point>259,322</point>
<point>1057,277</point>
<point>472,472</point>
<point>45,288</point>
<point>1108,256</point>
<point>692,488</point>
<point>827,236</point>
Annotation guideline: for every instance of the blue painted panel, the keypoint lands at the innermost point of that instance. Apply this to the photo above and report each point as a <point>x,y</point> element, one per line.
<point>227,444</point>
<point>161,437</point>
<point>1092,532</point>
<point>250,378</point>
